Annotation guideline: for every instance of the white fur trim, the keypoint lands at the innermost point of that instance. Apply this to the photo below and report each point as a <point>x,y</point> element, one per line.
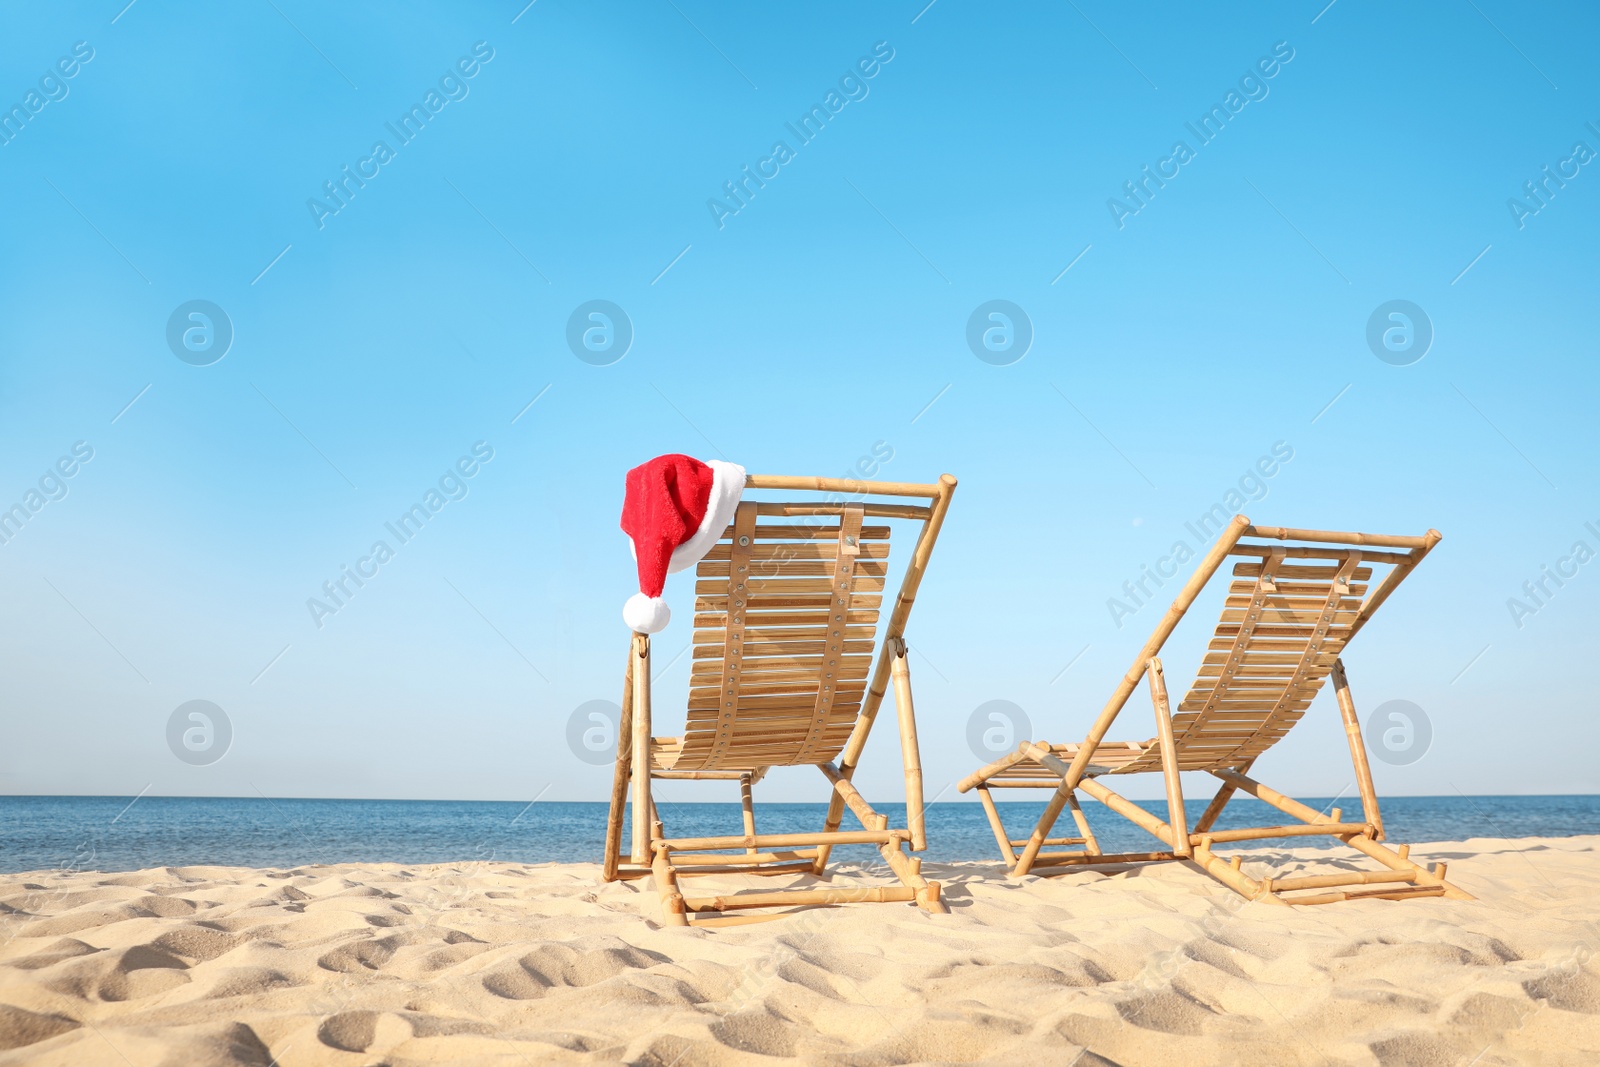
<point>646,614</point>
<point>727,486</point>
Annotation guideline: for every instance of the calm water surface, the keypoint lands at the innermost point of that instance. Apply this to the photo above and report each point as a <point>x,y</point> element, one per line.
<point>110,834</point>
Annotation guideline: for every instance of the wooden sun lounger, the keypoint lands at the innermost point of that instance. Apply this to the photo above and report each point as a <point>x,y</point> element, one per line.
<point>1290,611</point>
<point>786,613</point>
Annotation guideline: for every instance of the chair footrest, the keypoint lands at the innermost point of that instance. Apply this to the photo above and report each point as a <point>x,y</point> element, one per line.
<point>1047,859</point>
<point>765,870</point>
<point>785,897</point>
<point>1336,881</point>
<point>839,837</point>
<point>785,856</point>
<point>1383,893</point>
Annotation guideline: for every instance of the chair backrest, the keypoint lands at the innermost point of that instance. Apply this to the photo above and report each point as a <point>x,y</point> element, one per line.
<point>1291,608</point>
<point>787,606</point>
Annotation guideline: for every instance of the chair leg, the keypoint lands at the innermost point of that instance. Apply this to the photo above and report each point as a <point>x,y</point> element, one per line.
<point>1041,831</point>
<point>1001,838</point>
<point>909,753</point>
<point>640,849</point>
<point>1214,809</point>
<point>614,820</point>
<point>1090,844</point>
<point>747,809</point>
<point>1169,758</point>
<point>674,912</point>
<point>620,777</point>
<point>1358,749</point>
<point>909,870</point>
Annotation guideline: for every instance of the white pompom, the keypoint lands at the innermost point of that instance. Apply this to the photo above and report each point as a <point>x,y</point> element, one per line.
<point>646,614</point>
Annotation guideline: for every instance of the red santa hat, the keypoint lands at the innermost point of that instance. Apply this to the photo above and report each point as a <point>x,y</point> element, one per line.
<point>675,508</point>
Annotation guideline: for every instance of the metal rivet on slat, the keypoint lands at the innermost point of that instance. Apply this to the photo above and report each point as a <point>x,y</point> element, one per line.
<point>743,540</point>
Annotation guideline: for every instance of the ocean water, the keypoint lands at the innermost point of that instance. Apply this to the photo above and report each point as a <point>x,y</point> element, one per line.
<point>121,834</point>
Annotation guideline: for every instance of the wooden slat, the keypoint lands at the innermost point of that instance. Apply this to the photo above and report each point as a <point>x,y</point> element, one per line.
<point>1243,588</point>
<point>829,532</point>
<point>796,568</point>
<point>714,620</point>
<point>785,664</point>
<point>1314,552</point>
<point>1282,616</point>
<point>1296,602</point>
<point>755,679</point>
<point>769,587</point>
<point>718,602</point>
<point>796,550</point>
<point>776,702</point>
<point>753,634</point>
<point>1268,628</point>
<point>1295,570</point>
<point>1255,658</point>
<point>790,650</point>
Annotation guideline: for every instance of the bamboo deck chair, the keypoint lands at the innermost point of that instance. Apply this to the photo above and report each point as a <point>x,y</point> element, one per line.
<point>1290,611</point>
<point>787,608</point>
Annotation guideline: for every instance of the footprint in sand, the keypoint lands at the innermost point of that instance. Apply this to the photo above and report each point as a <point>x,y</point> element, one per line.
<point>142,971</point>
<point>367,954</point>
<point>20,1028</point>
<point>757,1032</point>
<point>166,907</point>
<point>1168,1013</point>
<point>561,964</point>
<point>349,1031</point>
<point>1577,991</point>
<point>363,1031</point>
<point>198,943</point>
<point>65,949</point>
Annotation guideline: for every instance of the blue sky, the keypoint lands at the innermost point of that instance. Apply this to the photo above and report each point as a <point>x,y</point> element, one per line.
<point>825,318</point>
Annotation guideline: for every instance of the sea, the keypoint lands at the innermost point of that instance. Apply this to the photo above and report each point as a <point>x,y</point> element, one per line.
<point>102,833</point>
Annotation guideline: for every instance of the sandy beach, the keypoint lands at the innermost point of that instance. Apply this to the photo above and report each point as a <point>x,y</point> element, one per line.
<point>500,963</point>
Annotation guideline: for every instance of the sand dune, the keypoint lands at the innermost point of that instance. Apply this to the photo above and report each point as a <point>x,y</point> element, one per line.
<point>507,964</point>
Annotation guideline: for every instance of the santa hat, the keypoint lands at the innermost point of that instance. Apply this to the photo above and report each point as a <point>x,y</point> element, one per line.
<point>675,508</point>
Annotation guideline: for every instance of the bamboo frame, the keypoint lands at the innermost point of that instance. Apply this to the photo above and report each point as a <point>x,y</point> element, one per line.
<point>619,778</point>
<point>639,853</point>
<point>1169,759</point>
<point>916,818</point>
<point>643,849</point>
<point>1035,765</point>
<point>1358,749</point>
